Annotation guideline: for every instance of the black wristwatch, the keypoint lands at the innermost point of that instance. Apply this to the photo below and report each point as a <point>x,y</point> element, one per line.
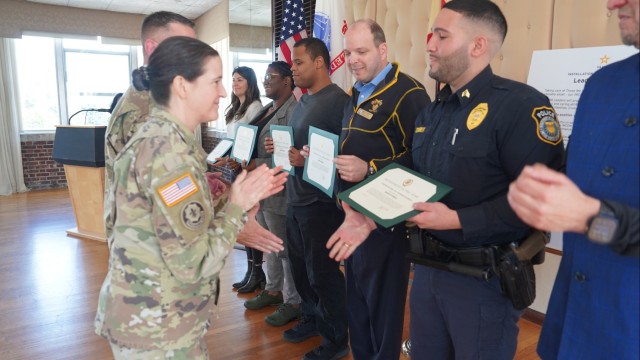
<point>602,227</point>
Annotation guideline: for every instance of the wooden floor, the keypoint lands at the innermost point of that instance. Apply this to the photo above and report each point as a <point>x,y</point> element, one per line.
<point>49,286</point>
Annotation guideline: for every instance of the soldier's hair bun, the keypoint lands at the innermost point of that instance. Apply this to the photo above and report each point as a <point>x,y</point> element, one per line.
<point>141,78</point>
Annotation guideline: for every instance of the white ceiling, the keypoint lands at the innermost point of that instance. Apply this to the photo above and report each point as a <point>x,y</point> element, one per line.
<point>247,12</point>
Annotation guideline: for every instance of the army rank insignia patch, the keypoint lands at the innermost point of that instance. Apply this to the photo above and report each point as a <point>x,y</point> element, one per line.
<point>477,115</point>
<point>548,127</point>
<point>177,190</point>
<point>192,215</point>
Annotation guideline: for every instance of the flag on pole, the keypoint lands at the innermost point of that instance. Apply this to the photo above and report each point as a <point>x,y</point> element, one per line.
<point>293,29</point>
<point>330,26</point>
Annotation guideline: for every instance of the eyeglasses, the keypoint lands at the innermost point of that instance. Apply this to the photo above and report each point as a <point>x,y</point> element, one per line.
<point>269,76</point>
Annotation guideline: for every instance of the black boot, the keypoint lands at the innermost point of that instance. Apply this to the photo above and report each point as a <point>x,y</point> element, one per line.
<point>256,280</point>
<point>247,275</point>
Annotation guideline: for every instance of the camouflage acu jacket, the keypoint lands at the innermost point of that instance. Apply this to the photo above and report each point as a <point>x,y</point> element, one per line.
<point>130,113</point>
<point>168,244</point>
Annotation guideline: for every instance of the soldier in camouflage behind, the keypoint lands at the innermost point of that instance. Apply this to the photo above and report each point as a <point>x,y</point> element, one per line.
<point>134,107</point>
<point>133,110</point>
<point>168,245</point>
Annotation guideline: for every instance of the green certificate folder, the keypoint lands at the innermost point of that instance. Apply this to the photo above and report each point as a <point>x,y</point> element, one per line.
<point>319,168</point>
<point>282,140</point>
<point>387,197</point>
<point>244,142</point>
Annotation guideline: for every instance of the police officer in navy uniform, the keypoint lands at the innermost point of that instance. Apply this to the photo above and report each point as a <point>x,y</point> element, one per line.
<point>476,137</point>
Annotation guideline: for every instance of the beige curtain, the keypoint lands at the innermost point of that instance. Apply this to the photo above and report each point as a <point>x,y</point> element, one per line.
<point>11,176</point>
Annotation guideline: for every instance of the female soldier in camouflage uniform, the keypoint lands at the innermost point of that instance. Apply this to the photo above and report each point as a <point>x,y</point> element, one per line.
<point>169,244</point>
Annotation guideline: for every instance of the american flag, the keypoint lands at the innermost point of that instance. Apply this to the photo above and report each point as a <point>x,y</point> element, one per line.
<point>293,28</point>
<point>178,190</point>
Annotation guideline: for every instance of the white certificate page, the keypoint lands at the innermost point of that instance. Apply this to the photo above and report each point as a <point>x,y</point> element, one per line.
<point>220,149</point>
<point>321,168</point>
<point>281,145</point>
<point>393,193</point>
<point>243,144</point>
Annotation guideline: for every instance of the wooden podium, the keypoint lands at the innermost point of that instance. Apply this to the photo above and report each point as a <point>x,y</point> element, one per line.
<point>81,150</point>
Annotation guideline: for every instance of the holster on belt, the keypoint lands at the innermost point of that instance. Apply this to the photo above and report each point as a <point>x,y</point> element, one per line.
<point>517,277</point>
<point>512,263</point>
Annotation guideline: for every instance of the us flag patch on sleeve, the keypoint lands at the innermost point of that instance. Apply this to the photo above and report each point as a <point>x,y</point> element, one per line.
<point>177,190</point>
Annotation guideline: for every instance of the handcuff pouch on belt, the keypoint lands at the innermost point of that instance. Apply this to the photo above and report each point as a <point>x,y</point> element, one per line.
<point>512,263</point>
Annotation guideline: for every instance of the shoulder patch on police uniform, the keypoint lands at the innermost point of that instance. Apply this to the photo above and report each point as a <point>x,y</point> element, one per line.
<point>177,190</point>
<point>420,129</point>
<point>547,125</point>
<point>192,215</point>
<point>477,115</point>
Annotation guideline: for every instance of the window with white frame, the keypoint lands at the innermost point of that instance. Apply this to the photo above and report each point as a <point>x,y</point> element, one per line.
<point>257,59</point>
<point>61,78</point>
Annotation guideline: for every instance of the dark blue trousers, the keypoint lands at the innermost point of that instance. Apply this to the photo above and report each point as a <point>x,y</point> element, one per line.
<point>377,276</point>
<point>455,316</point>
<point>317,277</point>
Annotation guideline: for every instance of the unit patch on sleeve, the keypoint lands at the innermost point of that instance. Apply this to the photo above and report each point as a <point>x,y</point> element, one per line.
<point>192,215</point>
<point>477,115</point>
<point>177,190</point>
<point>548,127</point>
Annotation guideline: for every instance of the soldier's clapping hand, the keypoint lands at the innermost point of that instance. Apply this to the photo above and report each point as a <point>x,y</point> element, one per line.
<point>259,184</point>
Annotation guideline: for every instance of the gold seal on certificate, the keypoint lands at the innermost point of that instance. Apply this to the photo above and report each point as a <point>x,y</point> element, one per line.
<point>388,196</point>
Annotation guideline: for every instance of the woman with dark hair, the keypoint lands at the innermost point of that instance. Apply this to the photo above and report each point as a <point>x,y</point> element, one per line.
<point>280,289</point>
<point>168,243</point>
<point>245,104</point>
<point>245,99</point>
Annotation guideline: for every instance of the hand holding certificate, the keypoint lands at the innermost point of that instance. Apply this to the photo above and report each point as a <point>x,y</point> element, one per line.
<point>244,142</point>
<point>282,140</point>
<point>319,169</point>
<point>388,196</point>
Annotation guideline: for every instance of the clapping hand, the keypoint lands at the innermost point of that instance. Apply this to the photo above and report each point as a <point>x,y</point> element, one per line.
<point>259,184</point>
